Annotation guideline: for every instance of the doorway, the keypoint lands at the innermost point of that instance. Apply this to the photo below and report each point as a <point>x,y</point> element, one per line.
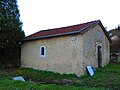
<point>99,49</point>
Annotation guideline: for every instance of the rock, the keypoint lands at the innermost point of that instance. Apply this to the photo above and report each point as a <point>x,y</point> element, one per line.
<point>19,78</point>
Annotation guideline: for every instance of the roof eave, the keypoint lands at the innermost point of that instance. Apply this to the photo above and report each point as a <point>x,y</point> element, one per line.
<point>50,36</point>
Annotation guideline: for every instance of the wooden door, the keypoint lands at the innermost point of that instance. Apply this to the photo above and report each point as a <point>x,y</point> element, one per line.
<point>99,56</point>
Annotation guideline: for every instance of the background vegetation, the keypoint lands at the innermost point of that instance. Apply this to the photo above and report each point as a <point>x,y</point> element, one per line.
<point>115,45</point>
<point>10,33</point>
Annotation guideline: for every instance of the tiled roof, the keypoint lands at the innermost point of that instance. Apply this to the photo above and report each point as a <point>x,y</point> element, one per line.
<point>60,31</point>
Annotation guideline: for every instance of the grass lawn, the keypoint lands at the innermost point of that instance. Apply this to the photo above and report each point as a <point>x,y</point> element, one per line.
<point>104,78</point>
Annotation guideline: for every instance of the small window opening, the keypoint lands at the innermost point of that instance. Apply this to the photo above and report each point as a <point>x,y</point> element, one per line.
<point>42,51</point>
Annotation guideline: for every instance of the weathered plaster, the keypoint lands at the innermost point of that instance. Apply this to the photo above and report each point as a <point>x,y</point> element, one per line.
<point>63,54</point>
<point>91,39</point>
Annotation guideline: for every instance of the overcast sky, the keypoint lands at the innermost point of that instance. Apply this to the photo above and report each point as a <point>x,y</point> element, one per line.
<point>39,15</point>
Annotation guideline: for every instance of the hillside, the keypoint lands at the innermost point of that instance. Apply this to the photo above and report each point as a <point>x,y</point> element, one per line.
<point>115,37</point>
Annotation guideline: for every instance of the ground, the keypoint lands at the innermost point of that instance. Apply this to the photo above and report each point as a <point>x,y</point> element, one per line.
<point>104,78</point>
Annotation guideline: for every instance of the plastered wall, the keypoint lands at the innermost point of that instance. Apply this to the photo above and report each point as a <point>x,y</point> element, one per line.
<point>91,39</point>
<point>63,54</point>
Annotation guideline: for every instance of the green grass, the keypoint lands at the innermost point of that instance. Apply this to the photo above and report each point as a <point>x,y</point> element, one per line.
<point>104,78</point>
<point>108,77</point>
<point>40,76</point>
<point>17,85</point>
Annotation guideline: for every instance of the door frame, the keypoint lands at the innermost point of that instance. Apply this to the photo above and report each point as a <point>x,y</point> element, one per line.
<point>99,58</point>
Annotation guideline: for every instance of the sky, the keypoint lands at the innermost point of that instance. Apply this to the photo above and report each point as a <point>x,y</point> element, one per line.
<point>39,15</point>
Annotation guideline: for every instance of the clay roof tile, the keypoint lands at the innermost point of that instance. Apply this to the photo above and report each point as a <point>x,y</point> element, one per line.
<point>59,31</point>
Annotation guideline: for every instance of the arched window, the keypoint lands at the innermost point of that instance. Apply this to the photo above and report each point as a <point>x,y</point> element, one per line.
<point>42,51</point>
